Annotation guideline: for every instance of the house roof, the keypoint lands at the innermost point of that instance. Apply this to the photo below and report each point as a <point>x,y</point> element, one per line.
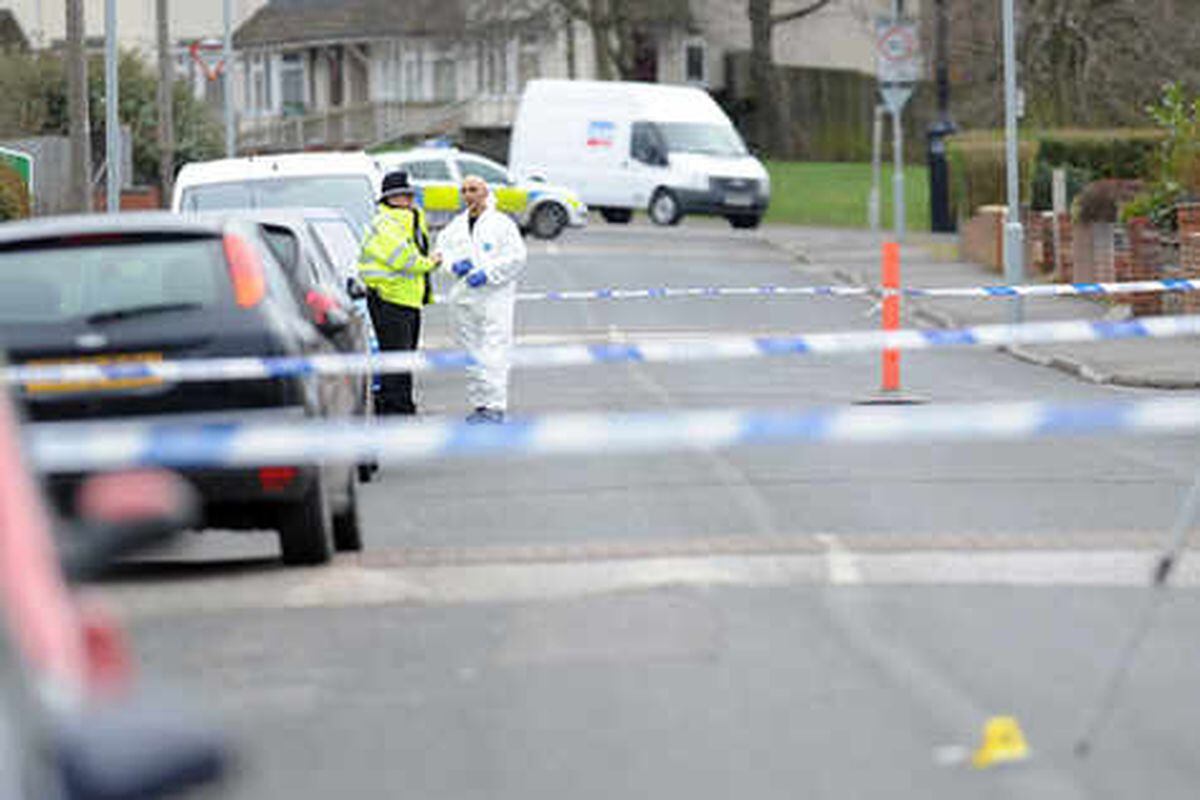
<point>305,21</point>
<point>11,35</point>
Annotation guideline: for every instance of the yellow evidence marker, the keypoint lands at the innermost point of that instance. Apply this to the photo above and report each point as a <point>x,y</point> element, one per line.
<point>1003,743</point>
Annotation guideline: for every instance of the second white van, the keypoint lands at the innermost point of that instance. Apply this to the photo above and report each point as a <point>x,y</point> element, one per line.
<point>669,150</point>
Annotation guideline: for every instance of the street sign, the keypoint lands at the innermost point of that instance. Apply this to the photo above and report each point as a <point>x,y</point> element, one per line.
<point>895,97</point>
<point>897,60</point>
<point>20,163</point>
<point>897,51</point>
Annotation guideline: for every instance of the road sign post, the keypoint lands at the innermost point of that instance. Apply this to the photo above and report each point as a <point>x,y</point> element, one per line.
<point>898,61</point>
<point>898,56</point>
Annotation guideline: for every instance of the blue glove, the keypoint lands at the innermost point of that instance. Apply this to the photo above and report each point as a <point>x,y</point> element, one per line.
<point>461,268</point>
<point>476,279</point>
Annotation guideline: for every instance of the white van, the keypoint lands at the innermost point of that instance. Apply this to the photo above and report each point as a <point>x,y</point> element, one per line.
<point>622,146</point>
<point>348,181</point>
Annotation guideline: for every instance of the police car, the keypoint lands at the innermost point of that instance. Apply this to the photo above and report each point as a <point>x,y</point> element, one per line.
<point>538,208</point>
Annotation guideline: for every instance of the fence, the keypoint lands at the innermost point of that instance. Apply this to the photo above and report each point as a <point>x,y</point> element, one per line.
<point>370,124</point>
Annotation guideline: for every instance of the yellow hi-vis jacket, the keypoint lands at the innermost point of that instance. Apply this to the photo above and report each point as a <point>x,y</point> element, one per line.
<point>391,263</point>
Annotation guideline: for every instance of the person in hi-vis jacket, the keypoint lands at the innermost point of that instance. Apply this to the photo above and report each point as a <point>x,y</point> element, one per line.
<point>395,266</point>
<point>486,254</point>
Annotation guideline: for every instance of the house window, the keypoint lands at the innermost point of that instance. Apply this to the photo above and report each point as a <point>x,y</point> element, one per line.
<point>445,80</point>
<point>412,80</point>
<point>291,85</point>
<point>260,83</point>
<point>529,66</point>
<point>695,62</point>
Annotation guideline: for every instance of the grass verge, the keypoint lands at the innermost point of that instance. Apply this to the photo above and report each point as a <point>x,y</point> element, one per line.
<point>835,195</point>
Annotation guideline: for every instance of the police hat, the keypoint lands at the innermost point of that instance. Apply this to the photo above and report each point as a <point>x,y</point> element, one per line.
<point>395,183</point>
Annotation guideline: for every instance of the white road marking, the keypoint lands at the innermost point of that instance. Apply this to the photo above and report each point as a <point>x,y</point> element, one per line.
<point>842,564</point>
<point>348,583</point>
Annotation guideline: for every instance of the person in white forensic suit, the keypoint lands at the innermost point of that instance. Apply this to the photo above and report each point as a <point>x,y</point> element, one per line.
<point>486,255</point>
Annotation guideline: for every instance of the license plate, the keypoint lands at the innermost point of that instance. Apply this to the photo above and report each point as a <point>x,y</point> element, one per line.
<point>738,199</point>
<point>91,386</point>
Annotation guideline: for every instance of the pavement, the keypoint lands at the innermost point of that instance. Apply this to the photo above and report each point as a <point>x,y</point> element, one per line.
<point>927,261</point>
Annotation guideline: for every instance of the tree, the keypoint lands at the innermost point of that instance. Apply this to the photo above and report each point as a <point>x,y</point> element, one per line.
<point>772,105</point>
<point>1087,63</point>
<point>33,103</point>
<point>622,30</point>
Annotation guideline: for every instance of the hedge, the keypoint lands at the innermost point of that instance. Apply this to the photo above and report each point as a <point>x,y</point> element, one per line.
<point>978,175</point>
<point>977,158</point>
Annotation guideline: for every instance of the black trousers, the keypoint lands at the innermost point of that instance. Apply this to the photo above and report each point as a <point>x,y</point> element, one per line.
<point>397,328</point>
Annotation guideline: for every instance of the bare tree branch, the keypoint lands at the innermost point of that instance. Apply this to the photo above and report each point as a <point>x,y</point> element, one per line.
<point>799,13</point>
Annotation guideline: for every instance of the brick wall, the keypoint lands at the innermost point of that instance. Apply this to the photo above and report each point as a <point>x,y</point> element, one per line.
<point>1188,264</point>
<point>982,237</point>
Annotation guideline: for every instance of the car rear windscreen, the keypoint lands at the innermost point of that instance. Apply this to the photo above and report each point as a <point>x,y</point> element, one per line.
<point>49,284</point>
<point>339,241</point>
<point>351,193</point>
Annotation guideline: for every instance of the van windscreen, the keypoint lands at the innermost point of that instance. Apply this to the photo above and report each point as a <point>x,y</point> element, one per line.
<point>701,137</point>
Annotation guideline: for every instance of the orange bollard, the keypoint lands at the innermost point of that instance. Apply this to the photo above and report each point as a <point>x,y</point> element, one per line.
<point>891,315</point>
<point>889,388</point>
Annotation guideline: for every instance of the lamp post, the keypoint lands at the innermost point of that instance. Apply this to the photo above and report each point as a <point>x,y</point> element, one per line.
<point>227,82</point>
<point>112,100</point>
<point>1014,233</point>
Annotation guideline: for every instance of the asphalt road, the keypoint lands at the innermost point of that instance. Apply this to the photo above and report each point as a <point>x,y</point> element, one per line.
<point>809,621</point>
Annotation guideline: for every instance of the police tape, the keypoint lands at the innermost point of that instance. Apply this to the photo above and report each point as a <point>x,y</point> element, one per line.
<point>1024,290</point>
<point>84,447</point>
<point>718,347</point>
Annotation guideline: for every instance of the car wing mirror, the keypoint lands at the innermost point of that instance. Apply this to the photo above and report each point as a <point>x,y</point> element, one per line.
<point>120,513</point>
<point>326,314</point>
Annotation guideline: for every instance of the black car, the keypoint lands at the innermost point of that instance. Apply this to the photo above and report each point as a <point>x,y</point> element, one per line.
<point>301,241</point>
<point>151,287</point>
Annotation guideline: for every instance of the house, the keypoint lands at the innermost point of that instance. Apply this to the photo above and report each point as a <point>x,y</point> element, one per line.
<point>44,20</point>
<point>356,72</point>
<point>12,38</point>
<point>339,73</point>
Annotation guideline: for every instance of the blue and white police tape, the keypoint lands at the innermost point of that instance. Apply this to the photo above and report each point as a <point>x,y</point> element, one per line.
<point>666,351</point>
<point>665,292</point>
<point>1024,290</point>
<point>78,447</point>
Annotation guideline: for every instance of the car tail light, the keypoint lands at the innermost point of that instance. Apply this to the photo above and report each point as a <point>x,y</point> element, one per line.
<point>246,272</point>
<point>276,479</point>
<point>319,304</point>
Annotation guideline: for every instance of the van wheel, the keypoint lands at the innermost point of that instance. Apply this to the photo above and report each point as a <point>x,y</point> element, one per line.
<point>617,216</point>
<point>304,528</point>
<point>347,535</point>
<point>664,208</point>
<point>744,221</point>
<point>548,221</point>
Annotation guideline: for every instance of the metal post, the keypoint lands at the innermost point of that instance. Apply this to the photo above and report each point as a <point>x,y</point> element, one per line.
<point>874,201</point>
<point>77,109</point>
<point>227,82</point>
<point>1014,234</point>
<point>898,152</point>
<point>112,99</point>
<point>898,176</point>
<point>166,103</point>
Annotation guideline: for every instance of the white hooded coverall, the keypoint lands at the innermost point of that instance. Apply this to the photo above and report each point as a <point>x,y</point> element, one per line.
<point>483,317</point>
